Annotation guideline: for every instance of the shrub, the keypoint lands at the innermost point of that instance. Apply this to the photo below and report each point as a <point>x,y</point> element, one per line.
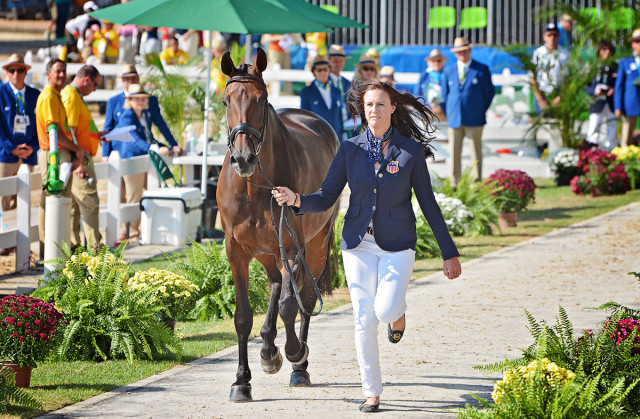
<point>600,174</point>
<point>106,320</point>
<point>630,157</point>
<point>513,190</point>
<point>208,268</point>
<point>339,280</point>
<point>28,329</point>
<point>170,290</point>
<point>456,214</point>
<point>565,163</point>
<point>9,393</point>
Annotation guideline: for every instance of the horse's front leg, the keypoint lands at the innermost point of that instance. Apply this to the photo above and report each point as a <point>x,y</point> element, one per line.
<point>270,356</point>
<point>243,319</point>
<point>295,350</point>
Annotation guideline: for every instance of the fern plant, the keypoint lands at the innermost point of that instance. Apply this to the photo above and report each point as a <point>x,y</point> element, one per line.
<point>9,393</point>
<point>207,267</point>
<point>106,320</point>
<point>339,280</point>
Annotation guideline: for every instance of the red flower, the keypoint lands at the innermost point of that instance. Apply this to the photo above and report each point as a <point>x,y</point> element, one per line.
<point>21,339</point>
<point>10,320</point>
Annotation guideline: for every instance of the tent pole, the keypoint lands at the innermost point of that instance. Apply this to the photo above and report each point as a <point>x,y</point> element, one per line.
<point>207,106</point>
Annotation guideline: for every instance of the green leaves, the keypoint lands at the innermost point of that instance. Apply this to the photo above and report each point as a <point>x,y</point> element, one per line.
<point>9,393</point>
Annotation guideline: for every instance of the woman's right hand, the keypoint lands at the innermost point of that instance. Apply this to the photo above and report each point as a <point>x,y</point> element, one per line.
<point>284,195</point>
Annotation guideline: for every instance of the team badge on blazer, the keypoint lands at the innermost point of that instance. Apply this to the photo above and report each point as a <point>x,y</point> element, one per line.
<point>393,167</point>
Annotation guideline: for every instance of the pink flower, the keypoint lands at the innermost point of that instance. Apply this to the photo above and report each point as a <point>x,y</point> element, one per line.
<point>10,320</point>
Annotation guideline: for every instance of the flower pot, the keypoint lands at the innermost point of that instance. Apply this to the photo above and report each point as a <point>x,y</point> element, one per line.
<point>564,179</point>
<point>23,374</point>
<point>507,219</point>
<point>170,323</point>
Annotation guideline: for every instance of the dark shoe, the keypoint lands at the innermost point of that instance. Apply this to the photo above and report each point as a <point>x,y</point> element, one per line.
<point>369,408</point>
<point>395,335</point>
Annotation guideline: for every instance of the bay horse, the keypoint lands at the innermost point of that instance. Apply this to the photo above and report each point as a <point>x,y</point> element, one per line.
<point>293,148</point>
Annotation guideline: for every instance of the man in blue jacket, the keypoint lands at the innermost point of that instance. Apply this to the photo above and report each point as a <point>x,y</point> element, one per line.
<point>626,95</point>
<point>322,97</point>
<point>467,92</point>
<point>18,137</point>
<point>130,76</point>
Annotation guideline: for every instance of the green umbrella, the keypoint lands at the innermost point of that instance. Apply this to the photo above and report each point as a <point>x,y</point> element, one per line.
<point>235,16</point>
<point>317,14</point>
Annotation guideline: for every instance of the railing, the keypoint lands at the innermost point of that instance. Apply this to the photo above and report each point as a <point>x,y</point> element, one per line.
<point>24,230</point>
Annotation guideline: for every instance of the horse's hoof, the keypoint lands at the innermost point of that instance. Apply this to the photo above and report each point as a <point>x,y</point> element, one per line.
<point>300,379</point>
<point>240,393</point>
<point>273,365</point>
<point>304,350</point>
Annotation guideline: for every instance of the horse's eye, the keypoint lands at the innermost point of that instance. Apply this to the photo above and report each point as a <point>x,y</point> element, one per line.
<point>224,102</point>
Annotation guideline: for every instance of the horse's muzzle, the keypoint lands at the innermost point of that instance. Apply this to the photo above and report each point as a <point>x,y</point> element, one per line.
<point>244,163</point>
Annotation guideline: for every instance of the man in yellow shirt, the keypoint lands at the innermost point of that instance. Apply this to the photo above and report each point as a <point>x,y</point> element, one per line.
<point>85,134</point>
<point>174,55</point>
<point>50,114</point>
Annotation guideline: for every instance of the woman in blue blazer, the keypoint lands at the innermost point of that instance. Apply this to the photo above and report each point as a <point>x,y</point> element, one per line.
<point>626,94</point>
<point>322,97</point>
<point>382,166</point>
<point>135,113</point>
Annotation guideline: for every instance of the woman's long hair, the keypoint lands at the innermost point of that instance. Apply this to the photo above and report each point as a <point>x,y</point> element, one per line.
<point>412,118</point>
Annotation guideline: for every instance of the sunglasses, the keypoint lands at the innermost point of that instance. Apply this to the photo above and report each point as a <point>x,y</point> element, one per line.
<point>18,70</point>
<point>635,41</point>
<point>436,61</point>
<point>321,70</point>
<point>368,69</point>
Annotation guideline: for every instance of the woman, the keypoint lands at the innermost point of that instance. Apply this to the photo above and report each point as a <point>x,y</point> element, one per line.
<point>601,91</point>
<point>428,86</point>
<point>381,166</point>
<point>366,69</point>
<point>135,114</point>
<point>321,96</point>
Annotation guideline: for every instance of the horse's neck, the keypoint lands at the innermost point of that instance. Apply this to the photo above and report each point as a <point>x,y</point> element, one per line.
<point>275,147</point>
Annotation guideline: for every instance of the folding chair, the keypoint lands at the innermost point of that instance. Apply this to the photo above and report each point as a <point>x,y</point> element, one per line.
<point>442,17</point>
<point>473,18</point>
<point>164,173</point>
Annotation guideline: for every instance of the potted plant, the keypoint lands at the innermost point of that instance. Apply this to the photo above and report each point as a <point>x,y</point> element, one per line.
<point>513,191</point>
<point>601,174</point>
<point>173,291</point>
<point>630,157</point>
<point>565,166</point>
<point>28,331</point>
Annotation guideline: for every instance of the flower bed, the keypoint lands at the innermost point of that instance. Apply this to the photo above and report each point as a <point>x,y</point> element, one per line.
<point>630,157</point>
<point>601,174</point>
<point>171,290</point>
<point>513,190</point>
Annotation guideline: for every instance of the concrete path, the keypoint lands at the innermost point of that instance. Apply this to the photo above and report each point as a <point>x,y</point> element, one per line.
<point>452,326</point>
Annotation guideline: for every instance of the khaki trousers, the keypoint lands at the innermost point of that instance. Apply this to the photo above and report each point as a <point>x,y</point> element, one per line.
<point>9,202</point>
<point>85,202</point>
<point>132,188</point>
<point>628,124</point>
<point>456,135</point>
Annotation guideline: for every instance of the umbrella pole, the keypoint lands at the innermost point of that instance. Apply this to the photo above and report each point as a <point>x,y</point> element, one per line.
<point>248,45</point>
<point>207,104</point>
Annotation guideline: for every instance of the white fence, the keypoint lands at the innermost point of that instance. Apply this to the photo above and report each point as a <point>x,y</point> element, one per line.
<point>23,231</point>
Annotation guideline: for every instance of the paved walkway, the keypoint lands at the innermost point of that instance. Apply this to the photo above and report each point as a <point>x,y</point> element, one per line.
<point>452,326</point>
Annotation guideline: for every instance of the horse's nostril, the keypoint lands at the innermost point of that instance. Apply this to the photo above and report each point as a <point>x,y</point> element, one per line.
<point>233,160</point>
<point>252,159</point>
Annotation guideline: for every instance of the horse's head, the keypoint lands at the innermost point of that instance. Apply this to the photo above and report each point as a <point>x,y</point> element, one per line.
<point>245,97</point>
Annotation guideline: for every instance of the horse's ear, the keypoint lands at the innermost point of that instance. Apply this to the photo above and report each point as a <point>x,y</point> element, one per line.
<point>261,60</point>
<point>226,64</point>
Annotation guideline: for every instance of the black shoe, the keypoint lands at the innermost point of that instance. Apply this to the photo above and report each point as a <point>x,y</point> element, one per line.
<point>369,408</point>
<point>395,335</point>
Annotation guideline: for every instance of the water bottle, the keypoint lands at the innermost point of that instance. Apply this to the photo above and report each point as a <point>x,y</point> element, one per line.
<point>186,135</point>
<point>193,146</point>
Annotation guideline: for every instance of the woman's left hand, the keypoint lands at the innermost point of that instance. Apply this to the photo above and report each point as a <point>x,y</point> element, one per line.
<point>452,268</point>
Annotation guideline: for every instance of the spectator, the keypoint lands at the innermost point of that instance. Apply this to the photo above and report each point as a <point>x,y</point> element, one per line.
<point>387,75</point>
<point>366,69</point>
<point>626,96</point>
<point>316,43</point>
<point>18,137</point>
<point>601,90</point>
<point>278,53</point>
<point>136,112</point>
<point>188,41</point>
<point>105,44</point>
<point>428,86</point>
<point>337,60</point>
<point>62,8</point>
<point>115,106</point>
<point>322,97</point>
<point>50,115</point>
<point>84,133</point>
<point>550,62</point>
<point>127,42</point>
<point>564,31</point>
<point>150,42</point>
<point>373,52</point>
<point>174,55</point>
<point>467,92</point>
<point>219,79</point>
<point>78,25</point>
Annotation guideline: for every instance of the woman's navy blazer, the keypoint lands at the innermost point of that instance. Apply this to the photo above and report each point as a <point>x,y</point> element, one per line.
<point>140,146</point>
<point>384,197</point>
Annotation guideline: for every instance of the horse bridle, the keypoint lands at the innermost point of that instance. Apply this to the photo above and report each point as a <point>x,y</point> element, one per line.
<point>252,133</point>
<point>243,127</point>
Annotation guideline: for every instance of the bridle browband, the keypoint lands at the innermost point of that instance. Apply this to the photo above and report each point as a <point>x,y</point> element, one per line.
<point>285,217</point>
<point>243,127</point>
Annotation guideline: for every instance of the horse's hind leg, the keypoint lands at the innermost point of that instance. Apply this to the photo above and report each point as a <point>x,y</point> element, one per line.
<point>243,319</point>
<point>270,356</point>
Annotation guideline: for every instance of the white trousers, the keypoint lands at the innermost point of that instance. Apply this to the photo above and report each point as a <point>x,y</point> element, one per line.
<point>378,282</point>
<point>595,122</point>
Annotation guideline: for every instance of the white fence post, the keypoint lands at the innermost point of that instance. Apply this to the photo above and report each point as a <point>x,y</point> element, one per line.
<point>114,190</point>
<point>23,219</point>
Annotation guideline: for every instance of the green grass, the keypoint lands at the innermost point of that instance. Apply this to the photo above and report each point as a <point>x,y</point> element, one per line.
<point>60,384</point>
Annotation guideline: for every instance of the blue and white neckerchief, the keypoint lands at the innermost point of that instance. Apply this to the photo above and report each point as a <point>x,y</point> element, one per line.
<point>326,86</point>
<point>374,153</point>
